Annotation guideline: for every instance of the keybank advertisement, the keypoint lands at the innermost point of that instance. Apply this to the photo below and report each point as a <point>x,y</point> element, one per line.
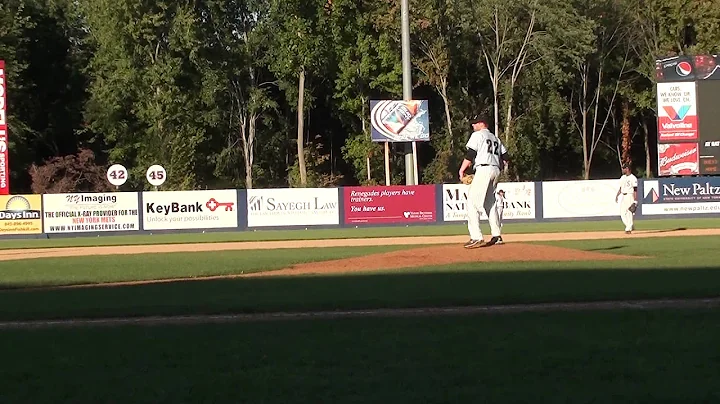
<point>173,210</point>
<point>20,214</point>
<point>292,207</point>
<point>91,212</point>
<point>674,196</point>
<point>588,198</point>
<point>519,201</point>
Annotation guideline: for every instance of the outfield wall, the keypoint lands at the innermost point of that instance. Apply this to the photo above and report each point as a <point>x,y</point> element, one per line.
<point>61,215</point>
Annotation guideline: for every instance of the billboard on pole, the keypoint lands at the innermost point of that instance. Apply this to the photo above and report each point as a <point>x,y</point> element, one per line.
<point>399,121</point>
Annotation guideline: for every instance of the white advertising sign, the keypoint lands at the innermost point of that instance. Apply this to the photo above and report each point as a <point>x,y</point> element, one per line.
<point>173,210</point>
<point>574,199</point>
<point>519,201</point>
<point>91,212</point>
<point>293,207</point>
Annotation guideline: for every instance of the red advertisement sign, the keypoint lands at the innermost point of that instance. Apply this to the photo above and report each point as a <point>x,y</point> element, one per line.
<point>394,204</point>
<point>678,159</point>
<point>4,145</point>
<point>677,112</point>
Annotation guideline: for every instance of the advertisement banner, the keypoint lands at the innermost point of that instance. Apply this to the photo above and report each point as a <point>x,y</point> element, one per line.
<point>4,143</point>
<point>174,210</point>
<point>91,212</point>
<point>399,121</point>
<point>393,204</point>
<point>677,112</point>
<point>292,207</point>
<point>673,196</point>
<point>519,201</point>
<point>678,159</point>
<point>577,199</point>
<point>20,214</point>
<point>710,157</point>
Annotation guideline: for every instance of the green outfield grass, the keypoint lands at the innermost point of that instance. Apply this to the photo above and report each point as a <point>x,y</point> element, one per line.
<point>678,267</point>
<point>590,357</point>
<point>374,232</point>
<point>138,267</point>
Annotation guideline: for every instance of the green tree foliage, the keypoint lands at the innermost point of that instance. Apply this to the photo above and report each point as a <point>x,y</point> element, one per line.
<point>270,93</point>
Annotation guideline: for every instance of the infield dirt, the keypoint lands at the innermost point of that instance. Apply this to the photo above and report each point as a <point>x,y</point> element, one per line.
<point>445,250</point>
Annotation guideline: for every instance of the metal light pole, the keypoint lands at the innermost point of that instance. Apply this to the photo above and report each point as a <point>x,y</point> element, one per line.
<point>407,88</point>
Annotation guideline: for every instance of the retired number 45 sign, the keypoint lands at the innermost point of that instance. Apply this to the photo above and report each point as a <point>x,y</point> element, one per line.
<point>156,175</point>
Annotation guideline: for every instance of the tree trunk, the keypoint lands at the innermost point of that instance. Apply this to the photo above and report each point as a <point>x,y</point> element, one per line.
<point>586,160</point>
<point>301,128</point>
<point>364,129</point>
<point>250,153</point>
<point>626,139</point>
<point>648,160</point>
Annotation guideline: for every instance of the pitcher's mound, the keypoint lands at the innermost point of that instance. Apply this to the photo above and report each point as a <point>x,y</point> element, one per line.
<point>443,255</point>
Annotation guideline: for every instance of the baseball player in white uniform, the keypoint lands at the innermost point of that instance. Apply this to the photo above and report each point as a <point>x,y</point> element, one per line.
<point>627,196</point>
<point>485,152</point>
<point>500,201</point>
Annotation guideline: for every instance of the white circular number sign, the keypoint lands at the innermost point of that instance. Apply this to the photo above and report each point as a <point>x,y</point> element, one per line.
<point>117,174</point>
<point>156,175</point>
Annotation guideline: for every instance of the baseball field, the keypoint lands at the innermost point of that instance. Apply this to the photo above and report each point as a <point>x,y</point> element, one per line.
<point>563,312</point>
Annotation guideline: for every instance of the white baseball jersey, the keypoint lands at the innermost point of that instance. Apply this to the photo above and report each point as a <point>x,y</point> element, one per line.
<point>627,184</point>
<point>488,147</point>
<point>500,201</point>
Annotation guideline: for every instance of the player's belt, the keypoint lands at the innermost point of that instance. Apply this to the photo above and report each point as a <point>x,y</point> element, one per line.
<point>488,165</point>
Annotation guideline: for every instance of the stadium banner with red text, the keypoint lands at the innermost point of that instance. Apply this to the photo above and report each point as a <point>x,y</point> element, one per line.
<point>678,159</point>
<point>4,143</point>
<point>519,201</point>
<point>677,112</point>
<point>176,210</point>
<point>91,212</point>
<point>681,196</point>
<point>389,204</point>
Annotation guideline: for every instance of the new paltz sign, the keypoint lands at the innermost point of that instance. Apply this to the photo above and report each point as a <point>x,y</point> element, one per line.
<point>692,192</point>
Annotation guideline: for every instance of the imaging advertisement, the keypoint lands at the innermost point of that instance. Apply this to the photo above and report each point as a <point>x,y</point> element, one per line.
<point>675,196</point>
<point>578,199</point>
<point>292,207</point>
<point>91,212</point>
<point>393,204</point>
<point>519,201</point>
<point>175,210</point>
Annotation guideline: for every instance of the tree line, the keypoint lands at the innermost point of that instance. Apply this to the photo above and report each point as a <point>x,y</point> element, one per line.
<point>275,93</point>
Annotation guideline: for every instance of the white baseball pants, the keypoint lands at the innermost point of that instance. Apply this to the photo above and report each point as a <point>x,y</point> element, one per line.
<point>625,214</point>
<point>481,195</point>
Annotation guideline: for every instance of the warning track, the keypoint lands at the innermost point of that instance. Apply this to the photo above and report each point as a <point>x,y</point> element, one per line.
<point>32,253</point>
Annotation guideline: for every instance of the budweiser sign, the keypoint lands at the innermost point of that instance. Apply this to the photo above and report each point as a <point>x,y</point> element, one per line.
<point>4,144</point>
<point>677,112</point>
<point>678,159</point>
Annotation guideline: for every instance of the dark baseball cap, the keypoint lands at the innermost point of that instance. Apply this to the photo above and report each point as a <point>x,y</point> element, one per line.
<point>477,118</point>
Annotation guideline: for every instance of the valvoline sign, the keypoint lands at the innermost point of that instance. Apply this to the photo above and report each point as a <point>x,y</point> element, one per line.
<point>677,112</point>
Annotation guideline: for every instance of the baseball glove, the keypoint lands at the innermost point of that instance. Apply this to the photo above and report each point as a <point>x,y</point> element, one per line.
<point>467,179</point>
<point>633,207</point>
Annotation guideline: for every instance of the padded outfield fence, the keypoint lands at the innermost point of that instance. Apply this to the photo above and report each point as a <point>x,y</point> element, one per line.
<point>61,215</point>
